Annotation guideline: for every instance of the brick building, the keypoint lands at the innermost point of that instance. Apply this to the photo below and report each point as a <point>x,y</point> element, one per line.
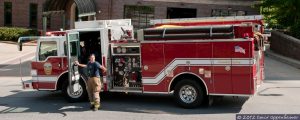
<point>62,13</point>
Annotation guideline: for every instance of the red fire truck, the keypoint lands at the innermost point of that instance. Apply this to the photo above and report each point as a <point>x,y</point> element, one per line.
<point>189,58</point>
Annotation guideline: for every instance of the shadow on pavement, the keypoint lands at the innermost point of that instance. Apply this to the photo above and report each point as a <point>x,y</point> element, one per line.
<point>53,102</point>
<point>262,92</point>
<point>164,104</point>
<point>40,102</point>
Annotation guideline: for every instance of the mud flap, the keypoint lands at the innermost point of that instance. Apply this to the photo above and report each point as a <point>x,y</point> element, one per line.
<point>27,84</point>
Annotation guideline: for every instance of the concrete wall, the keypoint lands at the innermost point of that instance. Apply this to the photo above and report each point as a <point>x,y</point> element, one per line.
<point>285,45</point>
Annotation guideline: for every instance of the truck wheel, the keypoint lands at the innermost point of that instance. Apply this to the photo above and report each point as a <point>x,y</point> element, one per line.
<point>78,96</point>
<point>188,93</point>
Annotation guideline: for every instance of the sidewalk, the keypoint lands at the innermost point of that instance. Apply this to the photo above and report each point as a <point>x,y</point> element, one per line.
<point>281,58</point>
<point>10,55</point>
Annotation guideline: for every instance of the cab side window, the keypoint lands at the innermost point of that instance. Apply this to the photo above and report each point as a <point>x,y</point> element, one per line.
<point>47,48</point>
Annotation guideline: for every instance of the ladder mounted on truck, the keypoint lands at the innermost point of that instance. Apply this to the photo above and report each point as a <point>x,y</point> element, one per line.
<point>179,33</point>
<point>230,20</point>
<point>203,28</point>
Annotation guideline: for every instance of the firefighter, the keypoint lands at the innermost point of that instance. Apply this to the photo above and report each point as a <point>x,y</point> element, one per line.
<point>94,81</point>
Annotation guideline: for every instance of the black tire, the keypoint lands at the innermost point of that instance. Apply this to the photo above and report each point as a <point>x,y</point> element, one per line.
<point>195,93</point>
<point>79,98</point>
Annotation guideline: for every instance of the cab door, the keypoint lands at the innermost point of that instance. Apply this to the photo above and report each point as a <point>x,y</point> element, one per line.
<point>73,49</point>
<point>47,65</point>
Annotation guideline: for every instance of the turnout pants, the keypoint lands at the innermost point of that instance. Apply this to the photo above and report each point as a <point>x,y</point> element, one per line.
<point>93,89</point>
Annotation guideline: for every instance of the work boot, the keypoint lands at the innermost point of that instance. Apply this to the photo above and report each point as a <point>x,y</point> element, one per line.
<point>96,107</point>
<point>92,105</point>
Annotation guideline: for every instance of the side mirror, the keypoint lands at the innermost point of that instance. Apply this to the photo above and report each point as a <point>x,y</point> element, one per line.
<point>20,45</point>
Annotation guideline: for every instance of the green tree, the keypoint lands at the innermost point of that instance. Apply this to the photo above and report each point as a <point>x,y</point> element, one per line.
<point>285,13</point>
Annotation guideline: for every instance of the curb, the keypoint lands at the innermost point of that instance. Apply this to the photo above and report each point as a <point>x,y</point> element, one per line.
<point>287,60</point>
<point>8,42</point>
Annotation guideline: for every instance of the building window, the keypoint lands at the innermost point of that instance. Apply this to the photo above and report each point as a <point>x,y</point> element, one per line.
<point>140,15</point>
<point>33,15</point>
<point>181,13</point>
<point>7,13</point>
<point>240,13</point>
<point>227,12</point>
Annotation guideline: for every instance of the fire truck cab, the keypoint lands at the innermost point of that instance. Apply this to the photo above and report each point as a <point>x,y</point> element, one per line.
<point>189,58</point>
<point>59,49</point>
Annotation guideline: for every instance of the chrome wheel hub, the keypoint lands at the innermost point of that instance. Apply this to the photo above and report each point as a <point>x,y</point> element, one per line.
<point>188,94</point>
<point>76,94</point>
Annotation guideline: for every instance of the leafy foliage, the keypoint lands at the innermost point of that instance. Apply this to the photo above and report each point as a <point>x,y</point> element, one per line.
<point>295,30</point>
<point>282,13</point>
<point>12,33</point>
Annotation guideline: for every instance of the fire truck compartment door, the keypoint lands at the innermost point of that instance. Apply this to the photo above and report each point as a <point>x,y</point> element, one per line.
<point>153,63</point>
<point>222,67</point>
<point>232,67</point>
<point>242,75</point>
<point>72,55</point>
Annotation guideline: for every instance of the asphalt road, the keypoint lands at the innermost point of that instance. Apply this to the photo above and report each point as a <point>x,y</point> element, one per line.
<point>278,94</point>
